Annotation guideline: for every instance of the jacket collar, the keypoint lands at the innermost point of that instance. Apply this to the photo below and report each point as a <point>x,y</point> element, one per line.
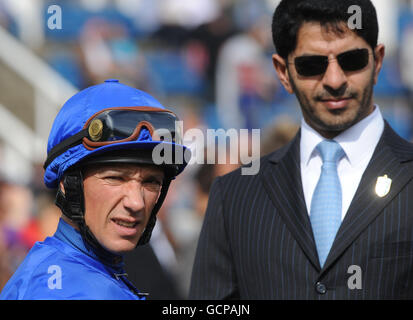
<point>72,237</point>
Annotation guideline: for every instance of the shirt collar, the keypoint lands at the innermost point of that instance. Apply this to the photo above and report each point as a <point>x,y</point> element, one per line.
<point>353,140</point>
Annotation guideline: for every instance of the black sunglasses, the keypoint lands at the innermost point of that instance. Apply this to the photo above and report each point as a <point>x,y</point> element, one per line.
<point>353,60</point>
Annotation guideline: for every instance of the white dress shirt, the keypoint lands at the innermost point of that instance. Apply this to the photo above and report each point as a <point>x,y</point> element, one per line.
<point>358,143</point>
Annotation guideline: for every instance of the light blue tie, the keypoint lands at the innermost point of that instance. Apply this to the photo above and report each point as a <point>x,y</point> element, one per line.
<point>325,214</point>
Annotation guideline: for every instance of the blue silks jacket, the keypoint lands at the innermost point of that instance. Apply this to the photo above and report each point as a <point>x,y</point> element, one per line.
<point>62,267</point>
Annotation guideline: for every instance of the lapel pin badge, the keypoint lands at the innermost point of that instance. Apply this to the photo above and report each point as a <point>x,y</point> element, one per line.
<point>383,185</point>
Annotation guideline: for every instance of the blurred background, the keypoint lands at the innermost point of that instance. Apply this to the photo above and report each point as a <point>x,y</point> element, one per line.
<point>208,60</point>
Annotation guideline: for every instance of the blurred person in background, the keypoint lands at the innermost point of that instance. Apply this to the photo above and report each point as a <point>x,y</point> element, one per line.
<point>185,222</point>
<point>106,50</point>
<point>100,158</point>
<point>189,222</point>
<point>244,79</point>
<point>16,205</point>
<point>406,67</point>
<point>205,43</point>
<point>278,134</point>
<point>329,216</point>
<point>6,269</point>
<point>44,221</point>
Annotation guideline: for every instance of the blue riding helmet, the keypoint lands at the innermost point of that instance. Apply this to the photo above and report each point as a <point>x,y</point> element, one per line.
<point>69,132</point>
<point>110,123</point>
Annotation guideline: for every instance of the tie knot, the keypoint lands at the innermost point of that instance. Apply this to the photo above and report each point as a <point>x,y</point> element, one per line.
<point>330,151</point>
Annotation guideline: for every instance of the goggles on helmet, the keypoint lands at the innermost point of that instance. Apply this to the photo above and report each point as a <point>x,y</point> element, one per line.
<point>121,124</point>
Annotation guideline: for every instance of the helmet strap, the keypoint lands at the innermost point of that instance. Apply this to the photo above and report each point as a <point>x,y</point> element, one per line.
<point>71,202</point>
<point>146,236</point>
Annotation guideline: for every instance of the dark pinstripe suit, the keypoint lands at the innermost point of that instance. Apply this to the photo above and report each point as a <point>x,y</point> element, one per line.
<point>257,240</point>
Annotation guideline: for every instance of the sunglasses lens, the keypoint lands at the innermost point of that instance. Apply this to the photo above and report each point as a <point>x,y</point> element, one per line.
<point>120,124</point>
<point>308,66</point>
<point>354,60</point>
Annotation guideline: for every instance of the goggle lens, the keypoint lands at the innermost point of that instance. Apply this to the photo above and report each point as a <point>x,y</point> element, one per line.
<point>122,124</point>
<point>116,125</point>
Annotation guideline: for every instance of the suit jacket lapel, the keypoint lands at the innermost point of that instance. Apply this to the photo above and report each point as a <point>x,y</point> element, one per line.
<point>390,158</point>
<point>281,177</point>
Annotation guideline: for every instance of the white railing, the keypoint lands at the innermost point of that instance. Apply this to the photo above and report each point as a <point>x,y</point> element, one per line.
<point>23,146</point>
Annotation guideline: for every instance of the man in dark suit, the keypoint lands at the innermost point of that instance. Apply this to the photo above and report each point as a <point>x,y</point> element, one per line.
<point>330,215</point>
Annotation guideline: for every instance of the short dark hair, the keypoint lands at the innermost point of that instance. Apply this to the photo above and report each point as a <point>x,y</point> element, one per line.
<point>291,14</point>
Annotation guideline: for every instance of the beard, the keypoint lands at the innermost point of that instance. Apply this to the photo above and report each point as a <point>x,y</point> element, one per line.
<point>333,122</point>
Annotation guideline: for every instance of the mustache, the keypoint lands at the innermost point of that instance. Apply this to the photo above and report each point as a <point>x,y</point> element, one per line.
<point>329,95</point>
